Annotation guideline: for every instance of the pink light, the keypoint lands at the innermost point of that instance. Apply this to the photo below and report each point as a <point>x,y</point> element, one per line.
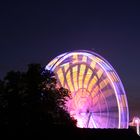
<point>80,123</point>
<point>136,120</point>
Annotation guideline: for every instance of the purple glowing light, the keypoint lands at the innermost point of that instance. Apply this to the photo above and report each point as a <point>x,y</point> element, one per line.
<point>98,97</point>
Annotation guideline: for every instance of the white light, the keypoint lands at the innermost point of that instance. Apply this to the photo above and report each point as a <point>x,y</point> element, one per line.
<point>136,121</point>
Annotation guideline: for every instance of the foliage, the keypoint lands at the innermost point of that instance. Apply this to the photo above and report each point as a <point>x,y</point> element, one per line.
<point>32,100</point>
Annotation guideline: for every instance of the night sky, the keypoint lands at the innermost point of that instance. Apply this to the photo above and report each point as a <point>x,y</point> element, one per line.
<point>36,32</point>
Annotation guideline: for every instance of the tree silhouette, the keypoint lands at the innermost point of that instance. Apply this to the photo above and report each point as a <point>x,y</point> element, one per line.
<point>31,100</point>
<point>54,99</point>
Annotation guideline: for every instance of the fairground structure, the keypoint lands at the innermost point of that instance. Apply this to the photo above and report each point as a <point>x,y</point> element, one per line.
<point>98,96</point>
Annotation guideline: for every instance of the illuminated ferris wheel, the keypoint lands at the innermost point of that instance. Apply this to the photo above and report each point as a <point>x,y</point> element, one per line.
<point>98,97</point>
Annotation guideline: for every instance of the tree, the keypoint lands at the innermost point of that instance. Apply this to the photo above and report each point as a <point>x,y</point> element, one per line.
<point>32,100</point>
<point>55,99</point>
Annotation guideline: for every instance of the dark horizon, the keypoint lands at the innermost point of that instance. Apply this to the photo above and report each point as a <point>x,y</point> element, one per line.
<point>81,133</point>
<point>38,32</point>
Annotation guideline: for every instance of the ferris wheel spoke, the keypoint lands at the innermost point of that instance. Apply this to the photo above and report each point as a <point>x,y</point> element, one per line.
<point>111,114</point>
<point>100,119</point>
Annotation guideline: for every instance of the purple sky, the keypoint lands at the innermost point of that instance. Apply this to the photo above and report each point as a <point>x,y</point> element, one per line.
<point>37,32</point>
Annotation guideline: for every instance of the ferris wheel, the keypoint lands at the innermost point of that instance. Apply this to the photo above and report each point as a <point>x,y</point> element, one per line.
<point>98,97</point>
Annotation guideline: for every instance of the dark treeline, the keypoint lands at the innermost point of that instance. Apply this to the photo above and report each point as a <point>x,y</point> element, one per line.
<point>31,101</point>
